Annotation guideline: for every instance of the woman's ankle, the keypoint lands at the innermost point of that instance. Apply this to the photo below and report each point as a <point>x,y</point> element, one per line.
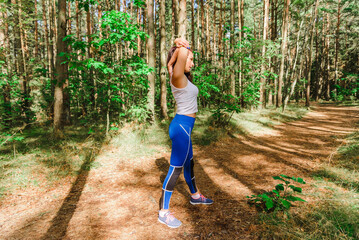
<point>162,212</point>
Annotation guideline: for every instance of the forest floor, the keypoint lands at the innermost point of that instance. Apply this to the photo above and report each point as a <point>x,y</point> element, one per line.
<point>118,198</point>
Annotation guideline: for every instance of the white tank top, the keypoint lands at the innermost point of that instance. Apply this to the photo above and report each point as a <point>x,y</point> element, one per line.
<point>186,98</point>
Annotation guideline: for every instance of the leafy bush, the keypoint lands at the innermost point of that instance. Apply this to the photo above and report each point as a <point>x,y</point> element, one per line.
<point>138,114</point>
<point>280,198</point>
<point>225,110</point>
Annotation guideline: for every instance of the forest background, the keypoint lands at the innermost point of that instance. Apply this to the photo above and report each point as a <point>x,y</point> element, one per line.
<point>105,61</point>
<point>87,78</point>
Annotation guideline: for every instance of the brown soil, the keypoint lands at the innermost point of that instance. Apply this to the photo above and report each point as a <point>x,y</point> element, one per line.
<point>119,199</point>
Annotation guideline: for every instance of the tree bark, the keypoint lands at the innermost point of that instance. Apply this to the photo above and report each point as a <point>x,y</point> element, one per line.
<point>60,69</point>
<point>208,49</point>
<point>174,20</point>
<point>52,43</point>
<point>337,44</point>
<point>214,32</point>
<point>19,57</point>
<point>309,67</point>
<point>36,32</point>
<point>202,30</point>
<point>6,86</point>
<point>327,60</point>
<point>262,78</point>
<point>151,59</point>
<point>182,19</point>
<point>220,44</point>
<point>192,26</point>
<point>233,80</point>
<point>138,38</point>
<point>240,27</point>
<point>292,86</point>
<point>66,112</point>
<point>283,50</point>
<point>46,36</point>
<point>163,60</point>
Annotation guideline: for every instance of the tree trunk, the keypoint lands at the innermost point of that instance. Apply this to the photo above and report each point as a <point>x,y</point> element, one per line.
<point>292,86</point>
<point>283,50</point>
<point>52,43</point>
<point>6,86</point>
<point>214,32</point>
<point>174,20</point>
<point>208,38</point>
<point>66,114</point>
<point>220,44</point>
<point>138,38</point>
<point>19,58</point>
<point>60,69</point>
<point>240,27</point>
<point>202,30</point>
<point>265,30</point>
<point>182,19</point>
<point>92,81</point>
<point>327,62</point>
<point>163,60</point>
<point>232,89</point>
<point>309,67</point>
<point>199,44</point>
<point>337,44</point>
<point>25,77</point>
<point>151,59</point>
<point>36,32</point>
<point>192,26</point>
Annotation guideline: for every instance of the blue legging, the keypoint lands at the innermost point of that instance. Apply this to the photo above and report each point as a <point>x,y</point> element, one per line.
<point>181,157</point>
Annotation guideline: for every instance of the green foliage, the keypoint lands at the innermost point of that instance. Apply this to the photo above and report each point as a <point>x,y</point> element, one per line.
<point>280,198</point>
<point>227,106</point>
<point>247,53</point>
<point>116,83</point>
<point>347,88</point>
<point>138,114</point>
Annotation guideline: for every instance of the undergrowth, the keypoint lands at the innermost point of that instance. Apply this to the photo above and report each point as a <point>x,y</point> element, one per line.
<point>332,211</point>
<point>36,159</point>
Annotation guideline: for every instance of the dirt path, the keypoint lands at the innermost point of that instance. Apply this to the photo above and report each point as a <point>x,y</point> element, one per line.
<point>119,199</point>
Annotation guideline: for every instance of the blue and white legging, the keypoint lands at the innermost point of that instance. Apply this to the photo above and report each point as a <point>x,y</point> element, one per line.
<point>181,157</point>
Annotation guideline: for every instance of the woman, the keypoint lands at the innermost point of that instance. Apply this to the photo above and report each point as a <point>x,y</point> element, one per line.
<point>179,63</point>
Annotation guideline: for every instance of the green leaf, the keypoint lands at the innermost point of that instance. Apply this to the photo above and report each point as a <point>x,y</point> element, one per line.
<point>276,192</point>
<point>293,198</point>
<point>286,204</point>
<point>278,178</point>
<point>279,187</point>
<point>269,203</point>
<point>296,189</point>
<point>299,180</point>
<point>285,176</point>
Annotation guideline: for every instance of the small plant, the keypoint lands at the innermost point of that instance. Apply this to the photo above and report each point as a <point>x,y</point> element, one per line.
<point>280,198</point>
<point>226,108</point>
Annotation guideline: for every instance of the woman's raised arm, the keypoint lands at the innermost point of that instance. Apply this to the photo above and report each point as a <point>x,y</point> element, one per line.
<point>178,79</point>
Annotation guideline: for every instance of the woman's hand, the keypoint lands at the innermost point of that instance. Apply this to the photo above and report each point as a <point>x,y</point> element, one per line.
<point>180,42</point>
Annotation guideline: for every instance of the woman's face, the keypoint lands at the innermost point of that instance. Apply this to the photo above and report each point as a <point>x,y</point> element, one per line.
<point>189,63</point>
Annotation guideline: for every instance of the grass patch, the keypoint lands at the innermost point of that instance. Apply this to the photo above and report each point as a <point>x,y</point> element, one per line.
<point>133,141</point>
<point>332,211</point>
<point>342,177</point>
<point>257,122</point>
<point>261,122</point>
<point>40,160</point>
<point>326,219</point>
